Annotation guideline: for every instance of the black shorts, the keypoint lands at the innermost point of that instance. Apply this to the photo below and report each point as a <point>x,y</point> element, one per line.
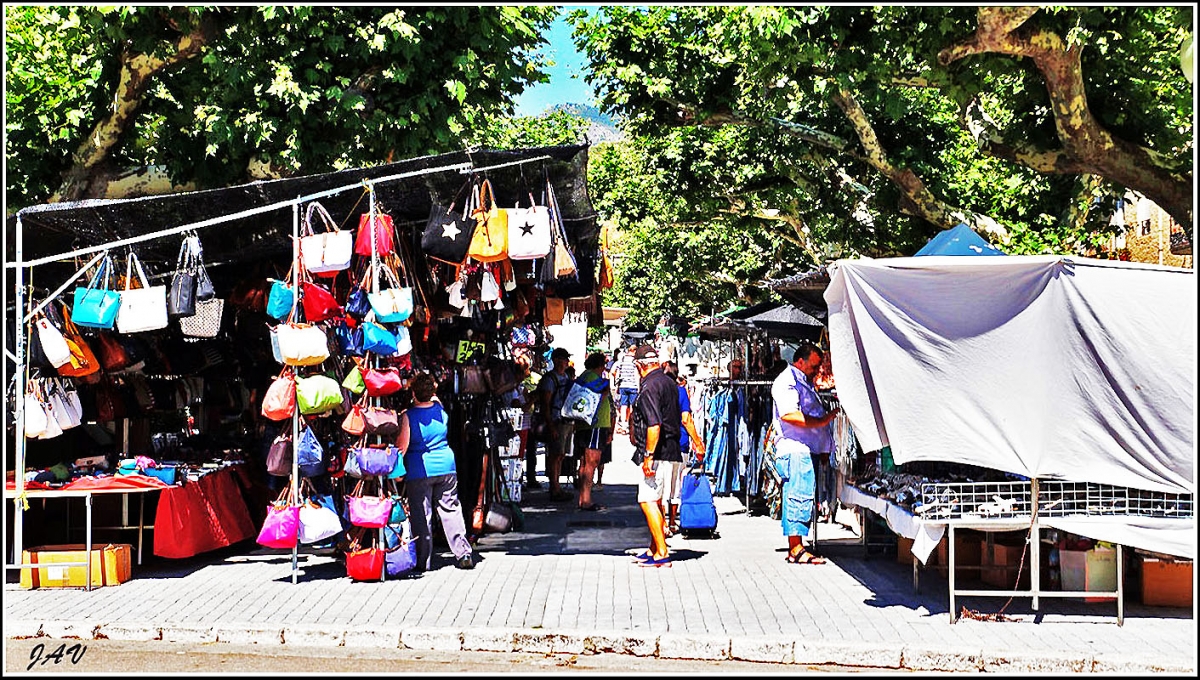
<point>594,438</point>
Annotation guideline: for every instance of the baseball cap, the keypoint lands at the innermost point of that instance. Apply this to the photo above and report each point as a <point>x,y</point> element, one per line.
<point>560,353</point>
<point>645,353</point>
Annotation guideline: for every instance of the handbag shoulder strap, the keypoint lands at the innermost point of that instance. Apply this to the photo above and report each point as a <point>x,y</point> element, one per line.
<point>325,218</point>
<point>131,262</point>
<point>459,194</point>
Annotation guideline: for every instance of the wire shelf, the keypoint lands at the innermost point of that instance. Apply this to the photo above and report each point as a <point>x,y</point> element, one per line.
<point>1011,500</point>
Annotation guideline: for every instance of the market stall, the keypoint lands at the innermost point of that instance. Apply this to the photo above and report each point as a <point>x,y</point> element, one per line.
<point>392,297</point>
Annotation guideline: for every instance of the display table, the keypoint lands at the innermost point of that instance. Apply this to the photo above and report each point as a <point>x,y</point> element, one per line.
<point>203,515</point>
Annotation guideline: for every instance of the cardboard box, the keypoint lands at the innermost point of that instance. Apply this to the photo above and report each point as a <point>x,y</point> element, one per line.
<point>904,550</point>
<point>1007,556</point>
<point>1088,570</point>
<point>1166,583</point>
<point>111,565</point>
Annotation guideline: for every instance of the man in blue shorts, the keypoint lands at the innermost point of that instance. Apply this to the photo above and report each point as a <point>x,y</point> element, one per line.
<point>627,378</point>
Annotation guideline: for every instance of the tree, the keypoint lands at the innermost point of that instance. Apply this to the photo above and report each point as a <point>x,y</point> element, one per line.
<point>123,101</point>
<point>867,129</point>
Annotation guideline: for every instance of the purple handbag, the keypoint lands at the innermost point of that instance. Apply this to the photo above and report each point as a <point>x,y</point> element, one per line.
<point>376,460</point>
<point>371,512</point>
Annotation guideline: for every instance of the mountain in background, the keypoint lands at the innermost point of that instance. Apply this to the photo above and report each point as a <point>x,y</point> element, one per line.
<point>601,127</point>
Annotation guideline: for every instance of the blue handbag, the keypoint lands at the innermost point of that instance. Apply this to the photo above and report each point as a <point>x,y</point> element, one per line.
<point>310,453</point>
<point>400,556</point>
<point>398,470</point>
<point>357,303</point>
<point>349,340</point>
<point>97,307</point>
<point>281,299</point>
<point>378,339</point>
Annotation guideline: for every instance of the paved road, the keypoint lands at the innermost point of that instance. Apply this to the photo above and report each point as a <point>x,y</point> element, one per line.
<point>565,585</point>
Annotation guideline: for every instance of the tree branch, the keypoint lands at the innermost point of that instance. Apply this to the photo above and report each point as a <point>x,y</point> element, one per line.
<point>989,140</point>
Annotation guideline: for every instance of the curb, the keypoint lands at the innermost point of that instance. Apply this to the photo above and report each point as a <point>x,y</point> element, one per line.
<point>773,650</point>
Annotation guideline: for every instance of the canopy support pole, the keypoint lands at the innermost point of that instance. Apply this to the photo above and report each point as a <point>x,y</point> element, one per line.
<point>295,480</point>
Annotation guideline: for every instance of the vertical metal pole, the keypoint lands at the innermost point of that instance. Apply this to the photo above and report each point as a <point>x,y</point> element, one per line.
<point>87,579</point>
<point>950,575</point>
<point>141,525</point>
<point>295,480</point>
<point>1120,586</point>
<point>374,226</point>
<point>22,380</point>
<point>1035,548</point>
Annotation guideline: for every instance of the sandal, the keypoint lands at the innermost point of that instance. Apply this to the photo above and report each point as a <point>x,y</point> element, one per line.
<point>591,508</point>
<point>805,557</point>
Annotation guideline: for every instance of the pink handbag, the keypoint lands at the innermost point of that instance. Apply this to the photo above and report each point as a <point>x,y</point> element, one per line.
<point>279,402</point>
<point>371,512</point>
<point>281,529</point>
<point>382,382</point>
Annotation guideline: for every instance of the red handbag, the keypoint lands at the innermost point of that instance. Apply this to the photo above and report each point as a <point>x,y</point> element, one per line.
<point>364,564</point>
<point>319,303</point>
<point>381,383</point>
<point>383,235</point>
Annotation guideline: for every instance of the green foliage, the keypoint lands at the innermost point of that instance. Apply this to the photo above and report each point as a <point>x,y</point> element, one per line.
<point>555,128</point>
<point>305,88</point>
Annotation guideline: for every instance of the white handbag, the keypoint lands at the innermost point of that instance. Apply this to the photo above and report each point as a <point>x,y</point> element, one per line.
<point>318,523</point>
<point>302,344</point>
<point>72,403</point>
<point>327,252</point>
<point>529,234</point>
<point>403,341</point>
<point>53,345</point>
<point>63,413</point>
<point>142,309</point>
<point>36,419</point>
<point>206,322</point>
<point>489,290</point>
<point>391,305</point>
<point>582,404</point>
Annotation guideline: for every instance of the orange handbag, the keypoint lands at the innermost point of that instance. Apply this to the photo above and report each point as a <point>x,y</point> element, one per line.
<point>83,361</point>
<point>489,243</point>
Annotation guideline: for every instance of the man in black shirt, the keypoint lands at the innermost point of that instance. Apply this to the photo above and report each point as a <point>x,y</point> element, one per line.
<point>654,433</point>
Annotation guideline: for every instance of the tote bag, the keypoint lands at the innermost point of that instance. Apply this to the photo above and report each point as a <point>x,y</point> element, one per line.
<point>141,309</point>
<point>325,253</point>
<point>54,346</point>
<point>581,404</point>
<point>529,235</point>
<point>391,305</point>
<point>447,235</point>
<point>317,394</point>
<point>489,242</point>
<point>382,227</point>
<point>302,344</point>
<point>96,305</point>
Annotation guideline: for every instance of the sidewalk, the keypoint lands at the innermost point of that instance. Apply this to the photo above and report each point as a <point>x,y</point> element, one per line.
<point>566,585</point>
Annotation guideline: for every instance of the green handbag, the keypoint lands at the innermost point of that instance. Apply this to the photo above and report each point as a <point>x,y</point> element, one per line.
<point>317,394</point>
<point>354,381</point>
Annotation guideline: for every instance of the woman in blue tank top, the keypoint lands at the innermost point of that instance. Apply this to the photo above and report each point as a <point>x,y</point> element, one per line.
<point>430,475</point>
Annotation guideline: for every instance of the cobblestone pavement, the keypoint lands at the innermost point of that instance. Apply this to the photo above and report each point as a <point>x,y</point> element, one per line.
<point>565,584</point>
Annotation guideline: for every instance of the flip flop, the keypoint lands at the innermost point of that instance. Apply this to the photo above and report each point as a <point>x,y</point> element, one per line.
<point>591,508</point>
<point>806,558</point>
<point>664,562</point>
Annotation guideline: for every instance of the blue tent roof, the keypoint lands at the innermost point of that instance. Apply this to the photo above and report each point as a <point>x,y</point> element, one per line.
<point>960,240</point>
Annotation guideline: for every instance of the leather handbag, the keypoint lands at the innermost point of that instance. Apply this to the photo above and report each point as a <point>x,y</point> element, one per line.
<point>317,394</point>
<point>474,380</point>
<point>281,529</point>
<point>329,252</point>
<point>141,309</point>
<point>382,382</point>
<point>382,228</point>
<point>96,305</point>
<point>206,321</point>
<point>354,423</point>
<point>489,241</point>
<point>319,304</point>
<point>381,421</point>
<point>181,297</point>
<point>53,345</point>
<point>377,459</point>
<point>447,235</point>
<point>279,456</point>
<point>391,305</point>
<point>302,344</point>
<point>354,381</point>
<point>369,512</point>
<point>378,340</point>
<point>84,363</point>
<point>564,261</point>
<point>529,235</point>
<point>310,454</point>
<point>279,401</point>
<point>280,299</point>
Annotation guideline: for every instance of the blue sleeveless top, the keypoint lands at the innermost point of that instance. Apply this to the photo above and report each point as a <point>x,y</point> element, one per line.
<point>429,453</point>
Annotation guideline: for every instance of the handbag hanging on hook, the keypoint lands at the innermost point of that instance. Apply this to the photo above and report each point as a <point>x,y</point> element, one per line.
<point>377,224</point>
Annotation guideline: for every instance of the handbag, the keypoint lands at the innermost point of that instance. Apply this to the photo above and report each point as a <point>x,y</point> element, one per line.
<point>206,321</point>
<point>380,383</point>
<point>302,344</point>
<point>381,226</point>
<point>377,459</point>
<point>310,454</point>
<point>489,241</point>
<point>523,336</point>
<point>403,341</point>
<point>279,456</point>
<point>318,520</point>
<point>499,517</point>
<point>447,234</point>
<point>354,423</point>
<point>358,303</point>
<point>529,235</point>
<point>364,564</point>
<point>401,557</point>
<point>319,304</point>
<point>391,305</point>
<point>397,472</point>
<point>281,528</point>
<point>349,340</point>
<point>279,401</point>
<point>181,297</point>
<point>378,339</point>
<point>556,309</point>
<point>381,421</point>
<point>354,381</point>
<point>112,353</point>
<point>36,418</point>
<point>369,512</point>
<point>67,413</point>
<point>54,346</point>
<point>96,307</point>
<point>84,363</point>
<point>317,394</point>
<point>327,252</point>
<point>141,309</point>
<point>280,300</point>
<point>582,404</point>
<point>502,376</point>
<point>474,380</point>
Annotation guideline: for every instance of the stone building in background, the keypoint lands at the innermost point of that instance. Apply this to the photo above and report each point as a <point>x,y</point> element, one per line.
<point>1148,235</point>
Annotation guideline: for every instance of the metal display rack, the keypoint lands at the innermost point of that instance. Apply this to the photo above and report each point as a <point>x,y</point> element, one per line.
<point>1018,505</point>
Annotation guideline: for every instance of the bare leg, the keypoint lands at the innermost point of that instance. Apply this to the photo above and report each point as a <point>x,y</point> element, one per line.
<point>654,520</point>
<point>587,468</point>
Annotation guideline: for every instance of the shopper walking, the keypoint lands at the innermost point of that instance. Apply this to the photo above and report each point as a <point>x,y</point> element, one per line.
<point>556,431</point>
<point>802,427</point>
<point>628,379</point>
<point>590,442</point>
<point>430,475</point>
<point>654,432</point>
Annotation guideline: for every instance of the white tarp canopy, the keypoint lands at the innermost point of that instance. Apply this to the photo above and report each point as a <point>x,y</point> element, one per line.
<point>1044,366</point>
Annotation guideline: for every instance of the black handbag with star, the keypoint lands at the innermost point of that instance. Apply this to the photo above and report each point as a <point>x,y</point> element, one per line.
<point>447,234</point>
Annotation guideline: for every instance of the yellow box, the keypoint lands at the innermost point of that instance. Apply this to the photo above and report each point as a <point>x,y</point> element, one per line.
<point>111,565</point>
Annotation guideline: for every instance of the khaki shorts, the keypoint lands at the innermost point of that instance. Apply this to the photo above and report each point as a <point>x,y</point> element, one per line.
<point>649,488</point>
<point>670,478</point>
